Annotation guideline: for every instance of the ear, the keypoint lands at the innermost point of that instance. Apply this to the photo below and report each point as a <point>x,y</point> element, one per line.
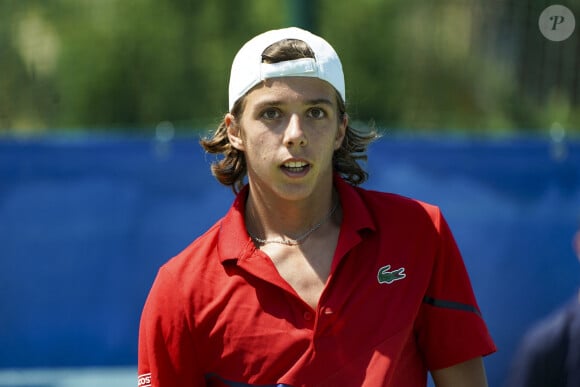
<point>341,132</point>
<point>233,130</point>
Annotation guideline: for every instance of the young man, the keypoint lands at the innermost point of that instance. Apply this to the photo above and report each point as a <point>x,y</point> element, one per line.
<point>308,280</point>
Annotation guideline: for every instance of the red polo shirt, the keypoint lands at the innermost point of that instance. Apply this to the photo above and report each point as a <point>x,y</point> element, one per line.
<point>397,303</point>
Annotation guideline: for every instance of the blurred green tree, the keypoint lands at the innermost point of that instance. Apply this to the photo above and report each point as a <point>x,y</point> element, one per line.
<point>452,65</point>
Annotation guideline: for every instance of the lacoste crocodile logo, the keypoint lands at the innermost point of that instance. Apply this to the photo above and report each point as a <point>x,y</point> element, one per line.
<point>385,276</point>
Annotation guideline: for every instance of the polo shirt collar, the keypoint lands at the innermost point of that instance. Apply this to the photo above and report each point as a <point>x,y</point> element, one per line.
<point>235,243</point>
<point>233,239</point>
<point>356,219</point>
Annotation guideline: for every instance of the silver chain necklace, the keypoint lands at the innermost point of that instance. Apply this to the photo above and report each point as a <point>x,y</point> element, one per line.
<point>299,239</point>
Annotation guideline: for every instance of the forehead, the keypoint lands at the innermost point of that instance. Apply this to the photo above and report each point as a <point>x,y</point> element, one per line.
<point>291,90</point>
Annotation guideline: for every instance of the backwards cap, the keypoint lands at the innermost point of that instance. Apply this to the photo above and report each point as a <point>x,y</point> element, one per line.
<point>248,69</point>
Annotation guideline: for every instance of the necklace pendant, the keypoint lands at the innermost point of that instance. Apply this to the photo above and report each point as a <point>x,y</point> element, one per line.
<point>290,242</point>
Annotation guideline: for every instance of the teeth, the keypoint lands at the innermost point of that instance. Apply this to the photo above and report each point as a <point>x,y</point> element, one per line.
<point>295,164</point>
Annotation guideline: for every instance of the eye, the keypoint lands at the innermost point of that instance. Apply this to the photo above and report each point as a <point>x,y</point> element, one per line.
<point>316,113</point>
<point>270,114</point>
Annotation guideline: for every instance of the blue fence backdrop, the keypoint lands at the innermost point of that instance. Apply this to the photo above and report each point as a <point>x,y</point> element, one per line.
<point>85,224</point>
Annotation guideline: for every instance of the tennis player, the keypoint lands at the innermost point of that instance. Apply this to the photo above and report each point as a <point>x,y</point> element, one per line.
<point>309,279</point>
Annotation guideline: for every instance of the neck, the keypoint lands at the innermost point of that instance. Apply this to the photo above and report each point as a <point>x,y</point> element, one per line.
<point>286,219</point>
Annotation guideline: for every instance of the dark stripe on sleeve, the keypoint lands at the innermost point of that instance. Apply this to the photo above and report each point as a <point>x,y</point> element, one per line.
<point>209,377</point>
<point>451,305</point>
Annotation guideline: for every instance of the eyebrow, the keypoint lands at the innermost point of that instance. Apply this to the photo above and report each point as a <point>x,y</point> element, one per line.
<point>320,101</point>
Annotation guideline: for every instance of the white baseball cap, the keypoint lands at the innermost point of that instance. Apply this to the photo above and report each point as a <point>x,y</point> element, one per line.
<point>248,69</point>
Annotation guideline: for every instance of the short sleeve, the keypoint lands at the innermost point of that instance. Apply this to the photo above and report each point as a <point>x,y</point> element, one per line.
<point>166,355</point>
<point>450,328</point>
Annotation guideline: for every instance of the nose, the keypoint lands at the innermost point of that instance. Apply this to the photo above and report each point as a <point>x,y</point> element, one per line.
<point>294,134</point>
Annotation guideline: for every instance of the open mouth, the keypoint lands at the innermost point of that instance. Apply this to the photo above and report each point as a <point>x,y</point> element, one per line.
<point>295,166</point>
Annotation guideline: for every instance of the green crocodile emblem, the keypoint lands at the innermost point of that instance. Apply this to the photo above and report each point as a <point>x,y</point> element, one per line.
<point>386,276</point>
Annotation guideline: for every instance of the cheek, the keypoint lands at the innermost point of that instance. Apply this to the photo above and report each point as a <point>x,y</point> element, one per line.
<point>259,148</point>
<point>258,144</point>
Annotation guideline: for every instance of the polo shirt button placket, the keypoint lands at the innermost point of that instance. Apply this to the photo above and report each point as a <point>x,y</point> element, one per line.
<point>308,315</point>
<point>325,321</point>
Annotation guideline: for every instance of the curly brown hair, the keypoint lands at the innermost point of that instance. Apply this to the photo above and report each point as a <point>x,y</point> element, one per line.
<point>231,169</point>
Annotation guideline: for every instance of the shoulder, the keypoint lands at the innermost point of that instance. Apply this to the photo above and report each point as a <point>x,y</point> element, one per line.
<point>196,258</point>
<point>189,279</point>
<point>361,198</point>
<point>547,335</point>
<point>393,199</point>
<point>403,209</point>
